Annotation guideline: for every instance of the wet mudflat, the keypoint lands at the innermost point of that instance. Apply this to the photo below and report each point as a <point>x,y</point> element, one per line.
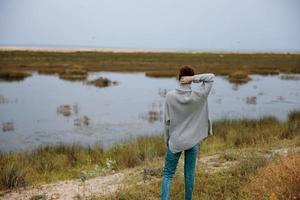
<point>44,109</point>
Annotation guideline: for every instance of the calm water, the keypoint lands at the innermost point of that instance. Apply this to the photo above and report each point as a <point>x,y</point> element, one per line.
<point>132,107</point>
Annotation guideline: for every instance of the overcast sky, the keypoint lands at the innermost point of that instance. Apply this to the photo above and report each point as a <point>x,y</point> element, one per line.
<point>260,25</point>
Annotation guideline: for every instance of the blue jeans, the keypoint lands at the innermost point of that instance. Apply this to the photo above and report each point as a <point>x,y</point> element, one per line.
<point>171,160</point>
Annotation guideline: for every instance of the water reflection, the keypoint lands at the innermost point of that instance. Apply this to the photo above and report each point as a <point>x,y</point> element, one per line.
<point>155,113</point>
<point>251,100</point>
<point>7,126</point>
<point>82,121</point>
<point>44,109</point>
<point>5,100</point>
<point>162,92</point>
<point>67,110</point>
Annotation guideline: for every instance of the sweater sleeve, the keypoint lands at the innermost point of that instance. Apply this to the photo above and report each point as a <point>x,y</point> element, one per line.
<point>166,123</point>
<point>207,80</point>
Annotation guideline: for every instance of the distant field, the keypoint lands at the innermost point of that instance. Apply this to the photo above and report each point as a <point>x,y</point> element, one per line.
<point>154,64</point>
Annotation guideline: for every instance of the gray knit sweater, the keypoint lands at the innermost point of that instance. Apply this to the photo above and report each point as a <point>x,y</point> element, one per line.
<point>186,119</point>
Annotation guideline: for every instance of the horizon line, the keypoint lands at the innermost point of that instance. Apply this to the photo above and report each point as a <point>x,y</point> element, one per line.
<point>136,50</point>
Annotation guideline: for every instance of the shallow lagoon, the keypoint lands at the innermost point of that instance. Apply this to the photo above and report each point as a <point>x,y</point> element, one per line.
<point>132,107</point>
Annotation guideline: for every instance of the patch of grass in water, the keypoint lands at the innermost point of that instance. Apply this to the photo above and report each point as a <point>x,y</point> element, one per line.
<point>101,82</point>
<point>13,75</point>
<point>239,77</point>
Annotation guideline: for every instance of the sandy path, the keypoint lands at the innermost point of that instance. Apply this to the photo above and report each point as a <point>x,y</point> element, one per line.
<point>101,185</point>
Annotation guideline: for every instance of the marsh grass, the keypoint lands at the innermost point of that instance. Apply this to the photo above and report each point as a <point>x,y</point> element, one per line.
<point>13,172</point>
<point>51,70</point>
<point>239,77</point>
<point>66,161</point>
<point>74,73</point>
<point>154,64</point>
<point>137,151</point>
<point>13,75</point>
<point>294,117</point>
<point>239,133</point>
<point>101,82</point>
<point>280,178</point>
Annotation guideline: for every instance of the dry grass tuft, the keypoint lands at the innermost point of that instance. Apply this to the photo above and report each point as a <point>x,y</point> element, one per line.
<point>239,77</point>
<point>13,75</point>
<point>279,179</point>
<point>101,82</point>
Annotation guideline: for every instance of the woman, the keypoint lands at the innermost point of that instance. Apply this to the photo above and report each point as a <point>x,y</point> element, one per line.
<point>186,124</point>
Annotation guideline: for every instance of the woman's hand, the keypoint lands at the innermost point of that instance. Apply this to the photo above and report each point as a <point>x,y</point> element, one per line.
<point>186,79</point>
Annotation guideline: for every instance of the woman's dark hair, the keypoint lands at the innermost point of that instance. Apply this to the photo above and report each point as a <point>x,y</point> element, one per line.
<point>185,71</point>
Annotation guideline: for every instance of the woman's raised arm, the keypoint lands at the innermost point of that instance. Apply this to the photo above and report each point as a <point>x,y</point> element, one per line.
<point>206,77</point>
<point>207,80</point>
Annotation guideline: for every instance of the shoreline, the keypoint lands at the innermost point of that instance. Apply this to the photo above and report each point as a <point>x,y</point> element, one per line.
<point>291,115</point>
<point>49,164</point>
<point>136,50</point>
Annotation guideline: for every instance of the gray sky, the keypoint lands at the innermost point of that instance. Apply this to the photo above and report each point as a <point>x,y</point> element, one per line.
<point>260,25</point>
